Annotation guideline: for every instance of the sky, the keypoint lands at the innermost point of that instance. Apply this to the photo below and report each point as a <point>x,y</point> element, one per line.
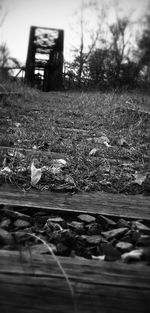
<point>60,14</point>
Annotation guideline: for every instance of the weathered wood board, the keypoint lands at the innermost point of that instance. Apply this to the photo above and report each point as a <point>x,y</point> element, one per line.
<point>32,283</point>
<point>131,206</point>
<point>37,285</point>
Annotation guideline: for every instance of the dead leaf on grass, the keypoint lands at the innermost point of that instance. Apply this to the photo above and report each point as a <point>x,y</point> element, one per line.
<point>36,174</point>
<point>94,152</point>
<point>140,178</point>
<point>102,140</point>
<point>5,171</point>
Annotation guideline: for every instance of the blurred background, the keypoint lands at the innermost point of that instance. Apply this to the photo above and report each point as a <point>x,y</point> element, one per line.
<point>106,43</point>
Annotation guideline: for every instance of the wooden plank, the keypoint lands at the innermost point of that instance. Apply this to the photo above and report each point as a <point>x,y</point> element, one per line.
<point>98,286</point>
<point>136,206</point>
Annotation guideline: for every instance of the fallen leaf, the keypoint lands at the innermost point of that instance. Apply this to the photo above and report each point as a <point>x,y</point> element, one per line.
<point>94,152</point>
<point>6,170</point>
<point>36,174</point>
<point>17,124</point>
<point>57,166</point>
<point>139,178</point>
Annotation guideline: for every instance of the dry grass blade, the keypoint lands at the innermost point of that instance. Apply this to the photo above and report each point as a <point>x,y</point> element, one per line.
<point>60,267</point>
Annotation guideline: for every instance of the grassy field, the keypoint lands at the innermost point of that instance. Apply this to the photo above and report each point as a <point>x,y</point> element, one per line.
<point>115,125</point>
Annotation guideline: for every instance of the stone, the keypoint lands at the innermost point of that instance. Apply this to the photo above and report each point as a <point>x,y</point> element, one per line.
<point>135,235</point>
<point>40,219</point>
<point>5,223</point>
<point>124,246</point>
<point>8,212</point>
<point>95,239</point>
<point>106,222</point>
<point>5,237</point>
<point>115,233</point>
<point>127,236</point>
<point>98,257</point>
<point>19,223</point>
<point>146,255</point>
<point>86,218</point>
<point>143,241</point>
<point>123,223</point>
<point>132,256</point>
<point>57,220</point>
<point>110,252</point>
<point>78,227</point>
<point>52,226</point>
<point>141,227</point>
<point>93,229</point>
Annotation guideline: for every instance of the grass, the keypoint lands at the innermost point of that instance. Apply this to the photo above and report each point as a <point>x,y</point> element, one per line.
<point>69,123</point>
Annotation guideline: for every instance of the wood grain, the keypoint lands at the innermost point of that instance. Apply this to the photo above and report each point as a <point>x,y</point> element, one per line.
<point>98,286</point>
<point>131,206</point>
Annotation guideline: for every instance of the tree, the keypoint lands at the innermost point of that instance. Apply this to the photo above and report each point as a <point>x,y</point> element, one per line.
<point>6,62</point>
<point>144,47</point>
<point>119,44</point>
<point>82,51</point>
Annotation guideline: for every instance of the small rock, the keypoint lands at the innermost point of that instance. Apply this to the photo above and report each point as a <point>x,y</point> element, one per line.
<point>62,249</point>
<point>146,254</point>
<point>19,223</point>
<point>57,220</point>
<point>124,246</point>
<point>55,236</point>
<point>93,229</point>
<point>77,226</point>
<point>40,219</point>
<point>110,252</point>
<point>99,257</point>
<point>68,237</point>
<point>5,223</point>
<point>117,233</point>
<point>95,239</point>
<point>14,214</point>
<point>106,222</point>
<point>123,223</point>
<point>5,237</point>
<point>132,256</point>
<point>135,235</point>
<point>127,236</point>
<point>52,226</point>
<point>86,218</point>
<point>143,241</point>
<point>141,227</point>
